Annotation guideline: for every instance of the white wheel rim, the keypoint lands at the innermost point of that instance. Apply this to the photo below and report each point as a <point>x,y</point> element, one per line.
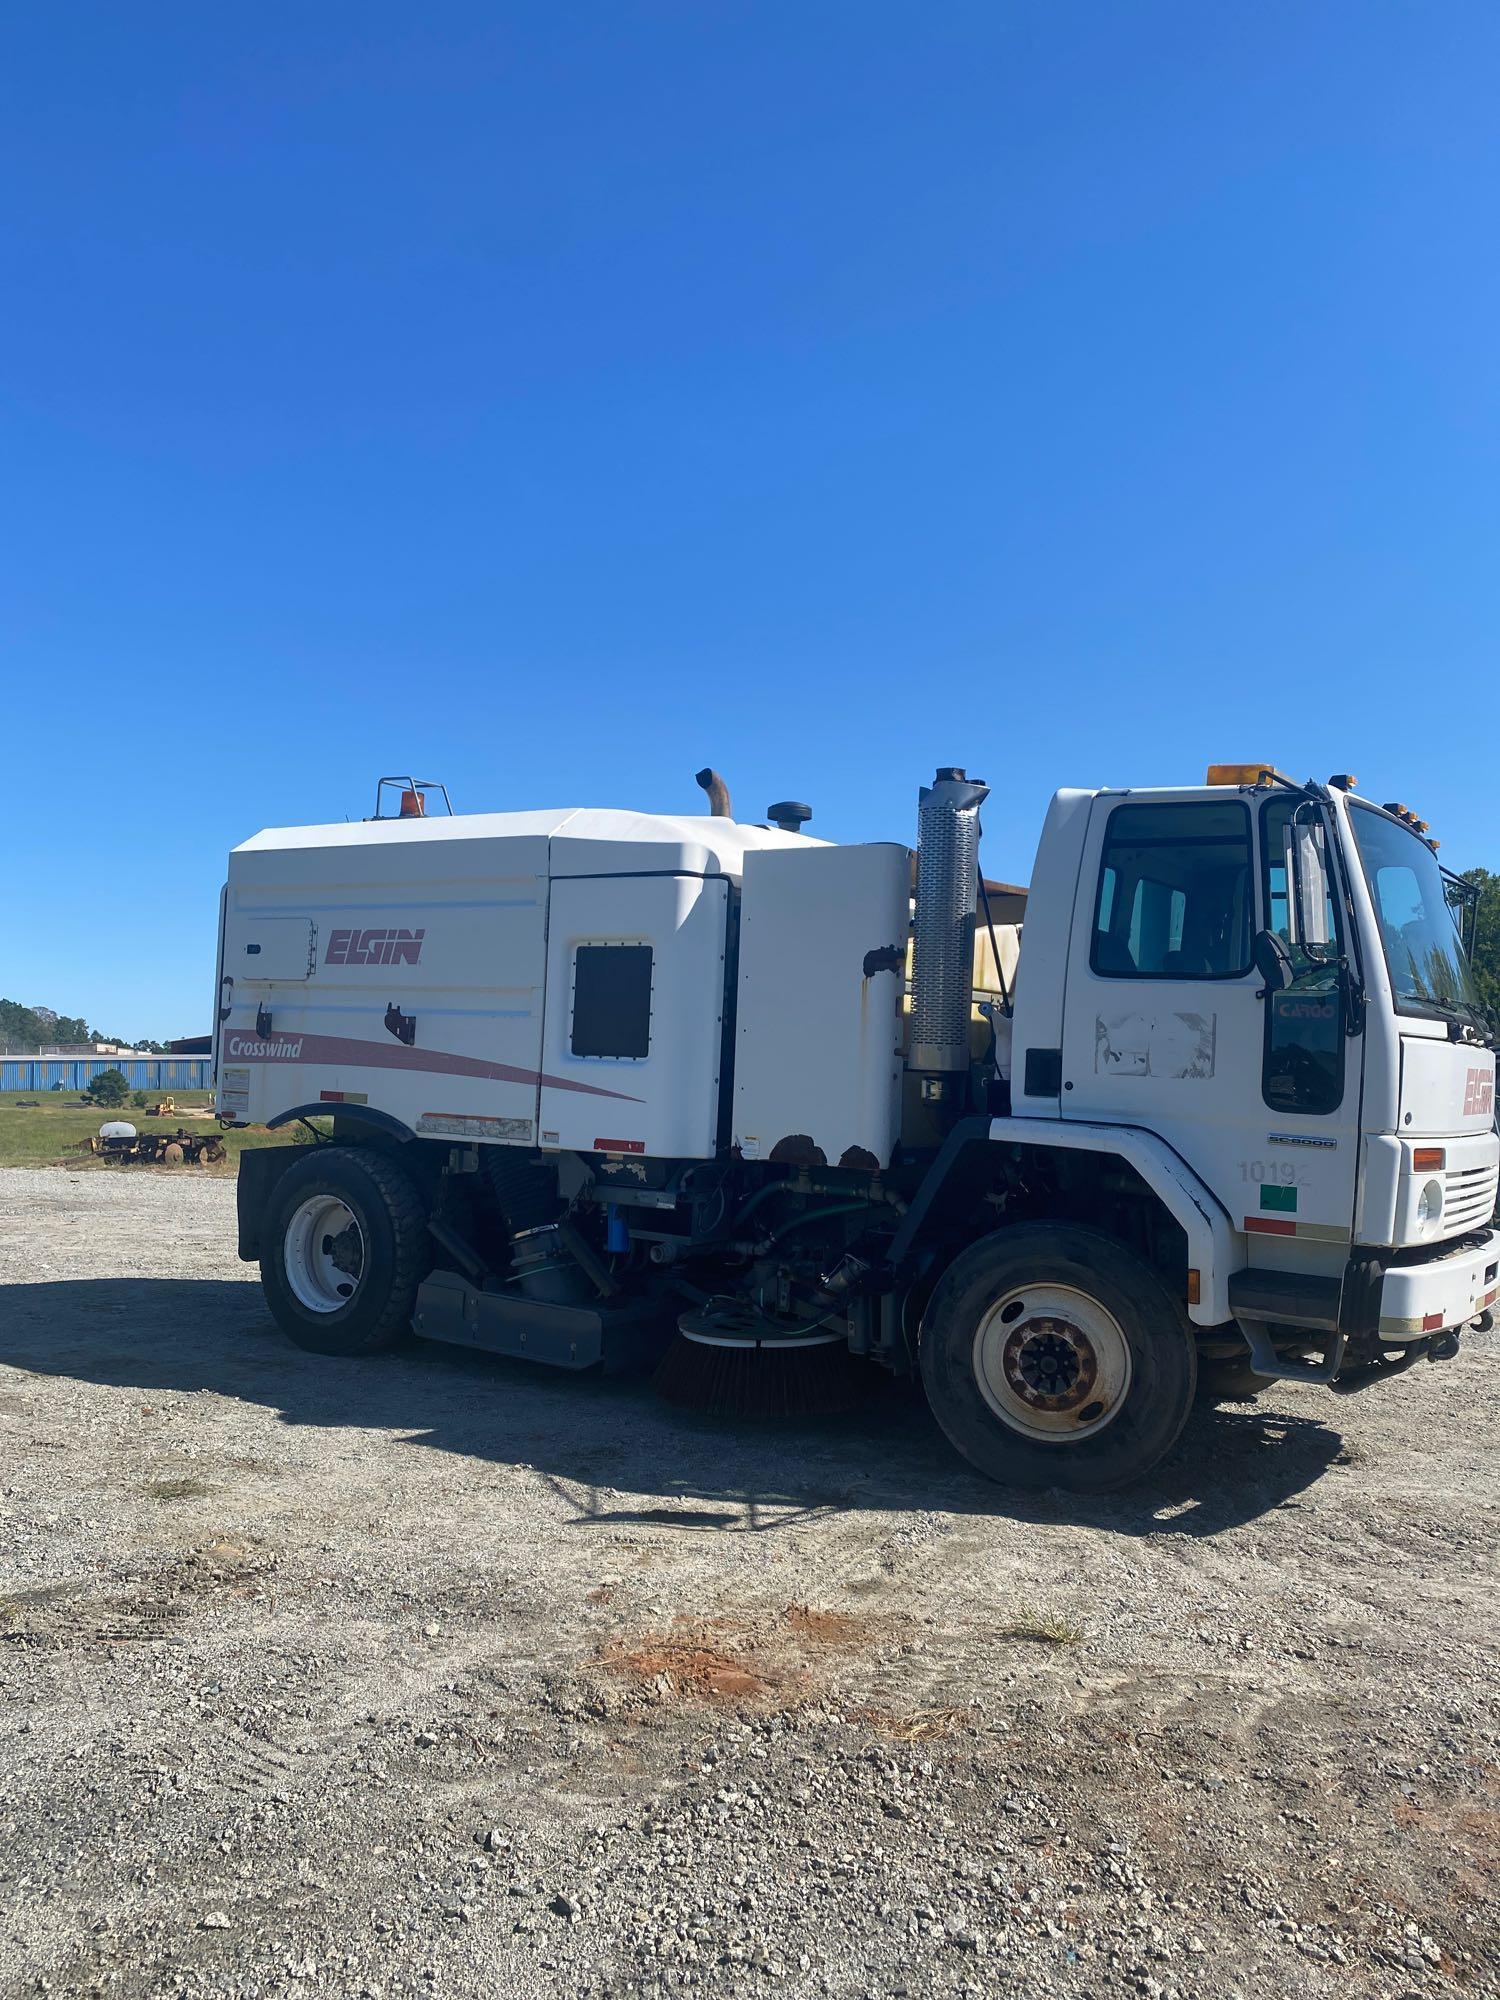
<point>1052,1363</point>
<point>324,1253</point>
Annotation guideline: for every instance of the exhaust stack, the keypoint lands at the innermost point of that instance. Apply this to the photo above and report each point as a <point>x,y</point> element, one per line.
<point>942,973</point>
<point>718,792</point>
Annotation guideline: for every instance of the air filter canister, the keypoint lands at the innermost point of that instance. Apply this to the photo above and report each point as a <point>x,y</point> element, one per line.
<point>943,934</point>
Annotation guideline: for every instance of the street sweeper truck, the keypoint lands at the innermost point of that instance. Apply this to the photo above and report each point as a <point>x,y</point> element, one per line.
<point>597,1088</point>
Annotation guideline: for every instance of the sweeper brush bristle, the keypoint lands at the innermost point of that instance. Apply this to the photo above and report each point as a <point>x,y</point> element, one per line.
<point>762,1380</point>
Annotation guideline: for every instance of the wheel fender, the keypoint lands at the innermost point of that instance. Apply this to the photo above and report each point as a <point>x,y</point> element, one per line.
<point>352,1118</point>
<point>1205,1222</point>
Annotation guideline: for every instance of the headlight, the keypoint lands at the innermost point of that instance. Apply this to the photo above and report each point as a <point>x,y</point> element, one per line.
<point>1430,1204</point>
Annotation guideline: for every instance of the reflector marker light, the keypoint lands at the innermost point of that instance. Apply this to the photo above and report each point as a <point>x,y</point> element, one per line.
<point>1429,1159</point>
<point>1408,818</point>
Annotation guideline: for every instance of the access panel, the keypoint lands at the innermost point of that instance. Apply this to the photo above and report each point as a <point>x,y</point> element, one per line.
<point>634,1019</point>
<point>823,935</point>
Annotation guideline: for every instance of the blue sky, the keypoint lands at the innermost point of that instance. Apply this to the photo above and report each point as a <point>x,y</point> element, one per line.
<point>558,399</point>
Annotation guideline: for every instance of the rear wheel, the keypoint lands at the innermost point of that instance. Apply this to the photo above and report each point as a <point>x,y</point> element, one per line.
<point>1053,1356</point>
<point>345,1248</point>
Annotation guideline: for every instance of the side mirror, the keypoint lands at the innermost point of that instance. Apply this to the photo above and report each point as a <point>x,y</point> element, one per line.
<point>1306,882</point>
<point>1273,960</point>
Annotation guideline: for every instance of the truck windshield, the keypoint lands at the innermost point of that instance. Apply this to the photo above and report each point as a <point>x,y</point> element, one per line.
<point>1418,927</point>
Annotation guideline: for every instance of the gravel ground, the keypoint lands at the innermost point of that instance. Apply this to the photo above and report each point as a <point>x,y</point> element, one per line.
<point>438,1674</point>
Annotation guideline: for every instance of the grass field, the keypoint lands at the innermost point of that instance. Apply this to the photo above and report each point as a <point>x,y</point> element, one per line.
<point>47,1135</point>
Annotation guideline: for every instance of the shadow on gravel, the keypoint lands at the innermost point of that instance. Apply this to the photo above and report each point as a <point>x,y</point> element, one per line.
<point>609,1447</point>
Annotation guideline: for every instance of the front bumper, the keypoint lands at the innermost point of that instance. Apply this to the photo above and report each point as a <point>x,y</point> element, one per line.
<point>1447,1290</point>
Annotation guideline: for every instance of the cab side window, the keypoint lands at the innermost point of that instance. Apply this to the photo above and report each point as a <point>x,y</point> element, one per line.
<point>1174,893</point>
<point>1303,1069</point>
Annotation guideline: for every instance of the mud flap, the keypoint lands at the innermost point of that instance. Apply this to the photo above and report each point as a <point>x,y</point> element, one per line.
<point>261,1167</point>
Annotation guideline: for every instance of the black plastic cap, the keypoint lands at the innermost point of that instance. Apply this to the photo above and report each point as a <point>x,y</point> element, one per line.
<point>789,815</point>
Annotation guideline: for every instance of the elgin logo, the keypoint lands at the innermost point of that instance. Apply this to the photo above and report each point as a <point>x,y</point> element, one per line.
<point>385,947</point>
<point>1479,1093</point>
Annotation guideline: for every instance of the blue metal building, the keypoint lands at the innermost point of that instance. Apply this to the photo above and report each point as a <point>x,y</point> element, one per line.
<point>163,1074</point>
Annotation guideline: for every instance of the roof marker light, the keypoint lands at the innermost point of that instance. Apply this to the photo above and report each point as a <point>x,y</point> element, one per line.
<point>1242,774</point>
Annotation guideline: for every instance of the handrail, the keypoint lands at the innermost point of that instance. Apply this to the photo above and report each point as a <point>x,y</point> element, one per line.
<point>422,785</point>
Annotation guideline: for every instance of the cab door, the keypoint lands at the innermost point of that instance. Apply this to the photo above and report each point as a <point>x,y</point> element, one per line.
<point>1166,1022</point>
<point>1311,1067</point>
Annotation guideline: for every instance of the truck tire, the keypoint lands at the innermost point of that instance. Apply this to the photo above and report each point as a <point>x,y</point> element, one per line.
<point>344,1246</point>
<point>1054,1356</point>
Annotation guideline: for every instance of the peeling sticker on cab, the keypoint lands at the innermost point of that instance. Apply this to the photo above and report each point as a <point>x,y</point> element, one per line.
<point>1161,1045</point>
<point>468,1125</point>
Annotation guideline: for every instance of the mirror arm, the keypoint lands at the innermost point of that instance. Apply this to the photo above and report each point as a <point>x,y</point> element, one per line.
<point>1356,1000</point>
<point>1273,962</point>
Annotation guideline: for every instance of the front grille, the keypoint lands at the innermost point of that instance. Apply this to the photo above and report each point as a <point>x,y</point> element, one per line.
<point>1469,1197</point>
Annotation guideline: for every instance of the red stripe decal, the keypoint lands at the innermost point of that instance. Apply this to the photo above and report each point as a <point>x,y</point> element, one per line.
<point>1271,1225</point>
<point>619,1146</point>
<point>238,1046</point>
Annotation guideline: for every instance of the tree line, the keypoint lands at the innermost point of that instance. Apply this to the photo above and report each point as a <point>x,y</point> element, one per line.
<point>1487,939</point>
<point>39,1027</point>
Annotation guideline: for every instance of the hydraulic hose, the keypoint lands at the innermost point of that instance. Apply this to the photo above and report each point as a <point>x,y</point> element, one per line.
<point>761,1194</point>
<point>817,1215</point>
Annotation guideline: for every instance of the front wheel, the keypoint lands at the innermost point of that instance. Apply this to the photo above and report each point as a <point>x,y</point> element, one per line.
<point>345,1247</point>
<point>1053,1356</point>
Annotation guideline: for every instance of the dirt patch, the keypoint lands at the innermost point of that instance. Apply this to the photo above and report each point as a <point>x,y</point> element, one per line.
<point>692,1663</point>
<point>727,1660</point>
<point>831,1628</point>
<point>1473,1834</point>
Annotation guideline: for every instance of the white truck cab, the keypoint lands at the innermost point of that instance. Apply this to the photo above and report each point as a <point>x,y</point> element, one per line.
<point>1213,1094</point>
<point>1315,1055</point>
